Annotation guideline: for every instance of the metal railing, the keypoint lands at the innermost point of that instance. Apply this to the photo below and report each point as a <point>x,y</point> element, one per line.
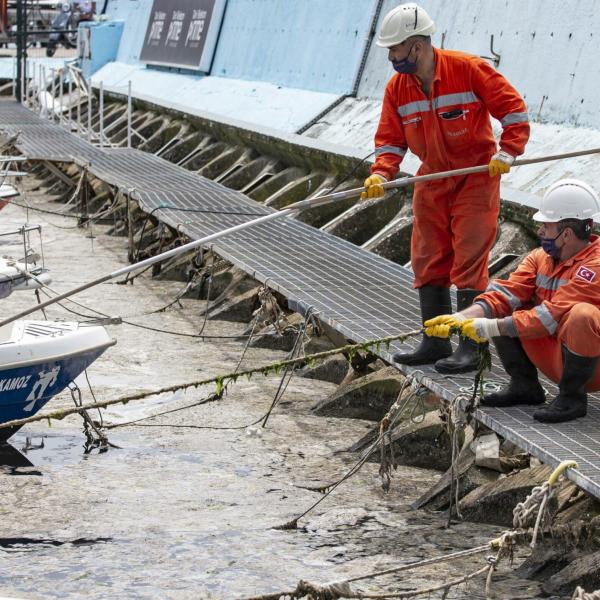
<point>64,95</point>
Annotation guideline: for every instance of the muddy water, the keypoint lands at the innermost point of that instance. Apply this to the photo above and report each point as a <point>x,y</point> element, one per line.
<point>183,512</point>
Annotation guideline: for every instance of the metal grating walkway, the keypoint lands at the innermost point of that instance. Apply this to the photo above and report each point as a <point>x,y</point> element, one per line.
<point>359,293</point>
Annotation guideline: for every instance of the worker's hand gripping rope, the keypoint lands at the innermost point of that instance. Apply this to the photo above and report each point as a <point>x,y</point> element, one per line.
<point>480,330</point>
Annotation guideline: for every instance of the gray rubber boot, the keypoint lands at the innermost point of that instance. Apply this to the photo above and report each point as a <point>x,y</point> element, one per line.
<point>524,386</point>
<point>571,401</point>
<point>434,301</point>
<point>466,356</point>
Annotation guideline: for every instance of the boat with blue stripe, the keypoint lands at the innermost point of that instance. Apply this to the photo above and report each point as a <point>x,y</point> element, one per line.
<point>39,359</point>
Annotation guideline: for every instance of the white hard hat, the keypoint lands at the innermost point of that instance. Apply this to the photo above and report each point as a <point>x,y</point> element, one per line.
<point>568,199</point>
<point>403,22</point>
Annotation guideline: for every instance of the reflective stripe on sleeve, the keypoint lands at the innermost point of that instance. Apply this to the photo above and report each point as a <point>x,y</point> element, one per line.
<point>450,99</point>
<point>549,283</point>
<point>546,318</point>
<point>513,301</point>
<point>391,149</point>
<point>487,311</point>
<point>511,330</point>
<point>512,118</point>
<point>413,107</point>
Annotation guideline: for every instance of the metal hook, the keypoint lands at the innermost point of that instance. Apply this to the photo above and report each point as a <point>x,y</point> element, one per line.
<point>495,58</point>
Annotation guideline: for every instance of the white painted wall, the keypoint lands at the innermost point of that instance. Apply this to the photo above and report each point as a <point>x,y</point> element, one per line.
<point>549,51</point>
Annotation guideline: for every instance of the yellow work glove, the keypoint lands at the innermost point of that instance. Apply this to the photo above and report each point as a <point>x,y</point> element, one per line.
<point>441,326</point>
<point>480,330</point>
<point>500,163</point>
<point>374,188</point>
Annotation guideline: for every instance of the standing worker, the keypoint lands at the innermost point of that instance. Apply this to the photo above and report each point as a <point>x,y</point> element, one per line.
<point>438,105</point>
<point>547,314</point>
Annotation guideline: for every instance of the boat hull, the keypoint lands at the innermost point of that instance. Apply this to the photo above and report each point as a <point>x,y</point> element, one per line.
<point>25,390</point>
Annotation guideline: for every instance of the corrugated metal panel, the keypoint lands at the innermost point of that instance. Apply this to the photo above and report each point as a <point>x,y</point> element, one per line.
<point>308,44</point>
<point>548,51</point>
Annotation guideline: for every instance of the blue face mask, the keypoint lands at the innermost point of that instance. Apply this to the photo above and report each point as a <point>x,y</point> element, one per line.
<point>549,246</point>
<point>405,66</point>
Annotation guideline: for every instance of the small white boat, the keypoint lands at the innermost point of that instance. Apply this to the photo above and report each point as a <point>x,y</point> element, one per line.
<point>24,273</point>
<point>7,193</point>
<point>17,275</point>
<point>38,359</point>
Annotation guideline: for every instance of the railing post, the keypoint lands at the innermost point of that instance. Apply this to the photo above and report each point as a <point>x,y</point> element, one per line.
<point>89,115</point>
<point>53,75</point>
<point>61,83</point>
<point>41,88</point>
<point>129,114</point>
<point>14,79</point>
<point>29,88</point>
<point>70,113</point>
<point>78,107</point>
<point>19,57</point>
<point>47,115</point>
<point>101,109</point>
<point>22,95</point>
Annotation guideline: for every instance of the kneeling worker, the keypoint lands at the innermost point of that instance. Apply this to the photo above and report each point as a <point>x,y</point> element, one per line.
<point>546,316</point>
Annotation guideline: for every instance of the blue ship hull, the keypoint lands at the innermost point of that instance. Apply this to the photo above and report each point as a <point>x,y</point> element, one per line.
<point>25,390</point>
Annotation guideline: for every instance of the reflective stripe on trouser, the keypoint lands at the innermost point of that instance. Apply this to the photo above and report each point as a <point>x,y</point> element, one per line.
<point>454,228</point>
<point>579,331</point>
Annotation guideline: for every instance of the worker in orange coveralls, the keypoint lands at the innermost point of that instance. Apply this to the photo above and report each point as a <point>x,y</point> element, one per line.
<point>547,314</point>
<point>438,105</point>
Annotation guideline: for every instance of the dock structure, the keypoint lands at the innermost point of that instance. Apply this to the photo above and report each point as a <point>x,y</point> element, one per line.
<point>360,294</point>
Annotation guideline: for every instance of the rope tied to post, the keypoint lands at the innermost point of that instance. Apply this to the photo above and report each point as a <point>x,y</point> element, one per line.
<point>269,311</point>
<point>538,500</point>
<point>409,391</point>
<point>457,415</point>
<point>503,546</point>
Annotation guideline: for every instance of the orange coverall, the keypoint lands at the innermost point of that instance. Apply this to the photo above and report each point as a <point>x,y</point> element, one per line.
<point>552,304</point>
<point>455,219</point>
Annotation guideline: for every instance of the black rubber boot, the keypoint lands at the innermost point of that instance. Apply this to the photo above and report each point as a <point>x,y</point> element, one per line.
<point>524,386</point>
<point>571,401</point>
<point>434,301</point>
<point>466,356</point>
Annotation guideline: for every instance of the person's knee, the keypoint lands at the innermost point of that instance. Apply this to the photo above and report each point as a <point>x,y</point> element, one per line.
<point>579,329</point>
<point>583,315</point>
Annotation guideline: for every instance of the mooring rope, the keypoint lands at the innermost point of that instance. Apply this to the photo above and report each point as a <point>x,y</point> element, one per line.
<point>538,500</point>
<point>211,272</point>
<point>210,398</point>
<point>263,313</point>
<point>387,423</point>
<point>458,415</point>
<point>297,348</point>
<point>504,546</point>
<point>92,319</point>
<point>222,381</point>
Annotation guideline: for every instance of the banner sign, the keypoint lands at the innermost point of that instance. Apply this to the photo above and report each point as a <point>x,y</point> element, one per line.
<point>177,32</point>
